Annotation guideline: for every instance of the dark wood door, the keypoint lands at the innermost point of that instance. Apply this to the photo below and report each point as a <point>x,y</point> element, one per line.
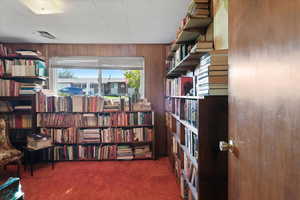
<point>264,99</point>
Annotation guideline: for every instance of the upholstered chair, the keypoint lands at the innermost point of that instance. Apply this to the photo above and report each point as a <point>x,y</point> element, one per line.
<point>8,154</point>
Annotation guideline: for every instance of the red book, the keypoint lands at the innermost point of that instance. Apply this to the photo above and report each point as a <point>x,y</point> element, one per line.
<point>185,85</point>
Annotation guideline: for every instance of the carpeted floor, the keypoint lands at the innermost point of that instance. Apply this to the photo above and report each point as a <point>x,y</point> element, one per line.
<point>126,180</point>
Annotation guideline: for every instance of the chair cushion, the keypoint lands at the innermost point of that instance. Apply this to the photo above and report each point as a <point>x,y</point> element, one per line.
<point>9,154</point>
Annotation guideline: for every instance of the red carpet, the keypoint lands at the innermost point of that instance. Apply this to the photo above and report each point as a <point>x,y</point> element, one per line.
<point>126,180</point>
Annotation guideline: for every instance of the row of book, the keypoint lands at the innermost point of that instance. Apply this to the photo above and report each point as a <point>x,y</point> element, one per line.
<point>9,88</point>
<point>101,152</point>
<point>13,88</point>
<point>179,86</point>
<point>189,179</point>
<point>93,120</point>
<point>118,135</point>
<point>22,67</point>
<point>211,76</point>
<point>190,111</point>
<point>191,142</point>
<point>20,121</point>
<point>110,135</point>
<point>69,104</point>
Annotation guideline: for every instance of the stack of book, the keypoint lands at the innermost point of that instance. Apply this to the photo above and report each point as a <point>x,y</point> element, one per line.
<point>202,46</point>
<point>61,136</point>
<point>9,88</point>
<point>124,152</point>
<point>212,74</point>
<point>141,152</point>
<point>199,8</point>
<point>22,107</point>
<point>29,88</point>
<point>89,136</point>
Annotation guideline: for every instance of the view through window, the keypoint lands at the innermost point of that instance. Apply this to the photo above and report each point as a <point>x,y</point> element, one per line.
<point>110,83</point>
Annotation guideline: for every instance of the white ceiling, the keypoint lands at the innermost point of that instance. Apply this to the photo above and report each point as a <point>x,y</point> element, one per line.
<point>95,21</point>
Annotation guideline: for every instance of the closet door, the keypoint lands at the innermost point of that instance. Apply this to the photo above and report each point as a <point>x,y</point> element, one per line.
<point>264,99</point>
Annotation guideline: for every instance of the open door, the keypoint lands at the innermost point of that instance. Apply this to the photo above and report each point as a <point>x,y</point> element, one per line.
<point>264,100</point>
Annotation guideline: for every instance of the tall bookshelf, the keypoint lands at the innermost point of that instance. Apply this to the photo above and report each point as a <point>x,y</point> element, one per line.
<point>196,145</point>
<point>197,109</point>
<point>20,72</point>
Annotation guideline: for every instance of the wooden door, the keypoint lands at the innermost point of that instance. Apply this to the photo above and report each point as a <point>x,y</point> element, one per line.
<point>264,99</point>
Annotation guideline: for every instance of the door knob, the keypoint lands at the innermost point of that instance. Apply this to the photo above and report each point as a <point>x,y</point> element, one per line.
<point>224,146</point>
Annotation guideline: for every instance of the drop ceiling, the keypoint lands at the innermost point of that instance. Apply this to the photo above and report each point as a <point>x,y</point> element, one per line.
<point>94,21</point>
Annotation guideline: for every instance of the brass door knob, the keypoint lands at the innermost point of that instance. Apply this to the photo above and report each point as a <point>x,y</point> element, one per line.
<point>224,146</point>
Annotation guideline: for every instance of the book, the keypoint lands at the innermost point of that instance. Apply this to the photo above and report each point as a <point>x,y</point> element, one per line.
<point>212,74</point>
<point>213,80</point>
<point>202,46</point>
<point>214,92</point>
<point>206,68</point>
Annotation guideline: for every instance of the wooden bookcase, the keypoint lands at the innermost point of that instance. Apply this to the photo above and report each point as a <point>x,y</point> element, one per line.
<point>193,139</point>
<point>18,135</point>
<point>132,144</point>
<point>212,113</point>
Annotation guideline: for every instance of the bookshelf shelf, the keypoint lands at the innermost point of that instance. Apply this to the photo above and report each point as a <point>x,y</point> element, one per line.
<point>18,112</point>
<point>107,143</point>
<point>21,57</point>
<point>26,79</point>
<point>17,98</point>
<point>186,97</point>
<point>192,188</point>
<point>118,160</point>
<point>103,112</point>
<point>18,129</point>
<point>189,62</point>
<point>186,124</point>
<point>192,158</point>
<point>97,127</point>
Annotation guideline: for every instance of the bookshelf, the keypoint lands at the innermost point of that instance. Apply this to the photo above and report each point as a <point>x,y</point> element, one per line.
<point>201,150</point>
<point>196,108</point>
<point>78,129</point>
<point>18,135</point>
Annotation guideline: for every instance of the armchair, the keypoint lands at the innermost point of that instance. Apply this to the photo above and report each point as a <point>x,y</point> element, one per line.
<point>8,154</point>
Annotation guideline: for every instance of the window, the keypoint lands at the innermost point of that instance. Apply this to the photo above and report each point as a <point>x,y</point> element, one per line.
<point>114,80</point>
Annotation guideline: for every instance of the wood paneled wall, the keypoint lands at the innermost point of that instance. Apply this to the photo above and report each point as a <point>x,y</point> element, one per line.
<point>264,99</point>
<point>154,55</point>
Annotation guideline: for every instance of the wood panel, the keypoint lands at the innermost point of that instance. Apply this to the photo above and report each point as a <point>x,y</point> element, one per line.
<point>264,99</point>
<point>154,55</point>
